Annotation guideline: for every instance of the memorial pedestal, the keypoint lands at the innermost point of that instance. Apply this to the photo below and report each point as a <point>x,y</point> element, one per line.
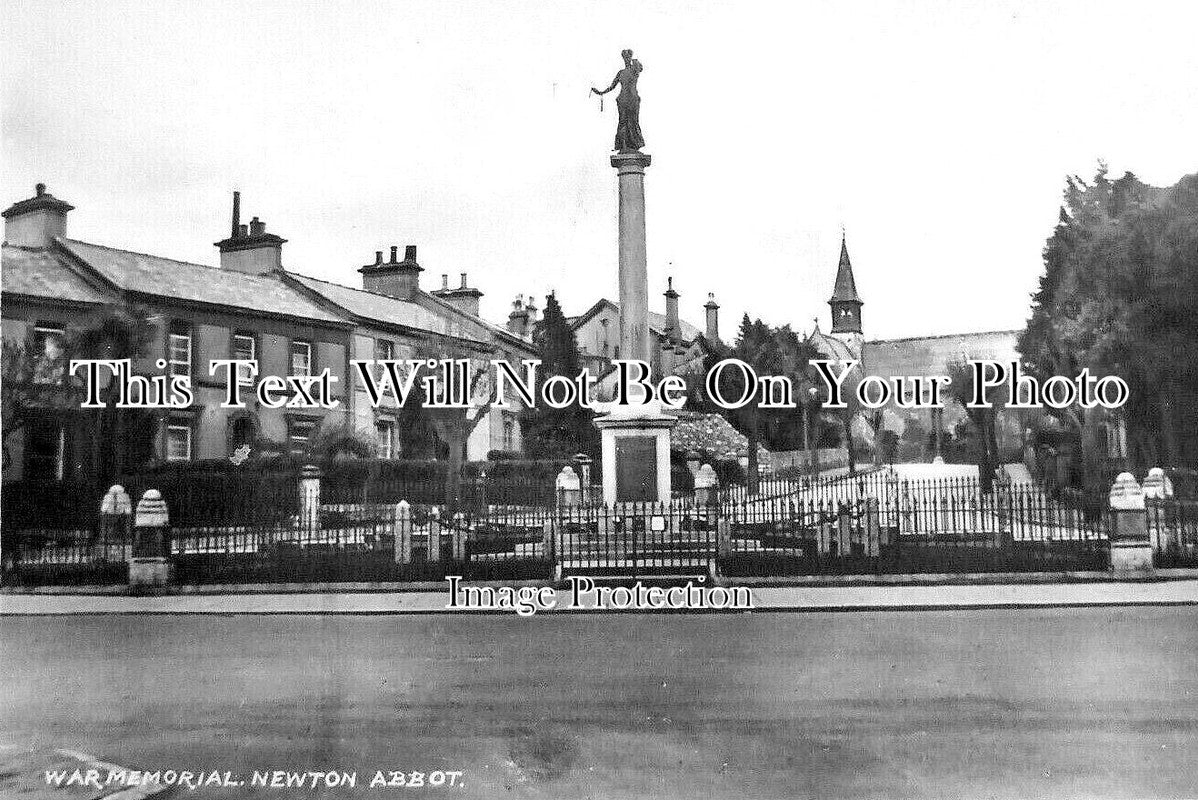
<point>636,455</point>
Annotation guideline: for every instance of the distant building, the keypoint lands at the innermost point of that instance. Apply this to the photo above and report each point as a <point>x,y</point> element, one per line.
<point>676,346</point>
<point>250,306</point>
<point>915,356</point>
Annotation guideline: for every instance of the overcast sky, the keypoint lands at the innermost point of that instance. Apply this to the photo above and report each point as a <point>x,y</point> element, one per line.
<point>938,134</point>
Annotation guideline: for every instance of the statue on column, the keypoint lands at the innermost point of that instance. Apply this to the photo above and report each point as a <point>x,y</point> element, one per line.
<point>628,104</point>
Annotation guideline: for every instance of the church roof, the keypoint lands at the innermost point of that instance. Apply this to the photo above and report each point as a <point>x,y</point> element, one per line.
<point>830,346</point>
<point>845,290</point>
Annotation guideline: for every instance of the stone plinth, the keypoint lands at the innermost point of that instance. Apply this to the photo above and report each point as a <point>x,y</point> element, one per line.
<point>1131,549</point>
<point>633,256</point>
<point>636,456</point>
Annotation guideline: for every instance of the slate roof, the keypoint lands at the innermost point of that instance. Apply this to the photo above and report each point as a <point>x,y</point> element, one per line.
<point>41,273</point>
<point>931,355</point>
<point>181,280</point>
<point>382,308</point>
<point>830,346</point>
<point>657,322</point>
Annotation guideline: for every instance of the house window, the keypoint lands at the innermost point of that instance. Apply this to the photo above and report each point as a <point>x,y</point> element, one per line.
<point>45,442</point>
<point>49,347</point>
<point>299,434</point>
<point>301,358</point>
<point>385,430</point>
<point>179,349</point>
<point>509,435</point>
<point>384,350</point>
<point>245,348</point>
<point>242,432</point>
<point>178,441</point>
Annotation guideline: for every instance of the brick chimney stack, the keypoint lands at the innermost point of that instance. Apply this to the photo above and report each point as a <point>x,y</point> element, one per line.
<point>517,320</point>
<point>394,278</point>
<point>713,318</point>
<point>673,329</point>
<point>249,248</point>
<point>464,297</point>
<point>35,222</point>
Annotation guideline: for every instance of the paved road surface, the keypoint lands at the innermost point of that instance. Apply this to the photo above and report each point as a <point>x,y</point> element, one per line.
<point>1054,703</point>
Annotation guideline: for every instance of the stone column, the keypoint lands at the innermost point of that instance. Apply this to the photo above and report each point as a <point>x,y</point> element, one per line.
<point>150,562</point>
<point>707,487</point>
<point>116,521</point>
<point>634,264</point>
<point>568,489</point>
<point>310,498</point>
<point>403,532</point>
<point>1130,547</point>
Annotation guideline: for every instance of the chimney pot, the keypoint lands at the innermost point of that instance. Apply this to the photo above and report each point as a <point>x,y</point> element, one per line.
<point>463,280</point>
<point>378,256</point>
<point>40,189</point>
<point>394,251</point>
<point>444,280</point>
<point>243,230</point>
<point>409,253</point>
<point>257,227</point>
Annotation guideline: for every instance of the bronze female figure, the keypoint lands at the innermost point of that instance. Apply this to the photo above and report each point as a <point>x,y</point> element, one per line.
<point>628,104</point>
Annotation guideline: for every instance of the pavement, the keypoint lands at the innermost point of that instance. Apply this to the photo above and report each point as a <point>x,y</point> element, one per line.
<point>1098,590</point>
<point>1093,702</point>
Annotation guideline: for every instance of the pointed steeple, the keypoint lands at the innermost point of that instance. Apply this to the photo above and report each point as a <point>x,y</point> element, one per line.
<point>845,302</point>
<point>846,287</point>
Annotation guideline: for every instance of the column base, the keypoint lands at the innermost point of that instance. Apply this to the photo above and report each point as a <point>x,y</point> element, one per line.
<point>636,457</point>
<point>149,571</point>
<point>1131,558</point>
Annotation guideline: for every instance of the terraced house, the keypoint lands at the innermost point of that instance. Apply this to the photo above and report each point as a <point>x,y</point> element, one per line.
<point>63,296</point>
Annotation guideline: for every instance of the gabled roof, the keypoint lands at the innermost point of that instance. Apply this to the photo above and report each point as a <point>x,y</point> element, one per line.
<point>42,273</point>
<point>197,283</point>
<point>845,290</point>
<point>386,310</point>
<point>657,322</point>
<point>830,346</point>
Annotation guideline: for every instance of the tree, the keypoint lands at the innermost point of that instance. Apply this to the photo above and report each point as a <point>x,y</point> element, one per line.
<point>557,432</point>
<point>1119,295</point>
<point>36,380</point>
<point>961,389</point>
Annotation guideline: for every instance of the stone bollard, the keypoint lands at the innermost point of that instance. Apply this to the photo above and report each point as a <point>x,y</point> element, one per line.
<point>434,535</point>
<point>403,532</point>
<point>1130,548</point>
<point>116,526</point>
<point>872,528</point>
<point>309,517</point>
<point>459,531</point>
<point>149,564</point>
<point>569,489</point>
<point>707,487</point>
<point>584,462</point>
<point>1157,490</point>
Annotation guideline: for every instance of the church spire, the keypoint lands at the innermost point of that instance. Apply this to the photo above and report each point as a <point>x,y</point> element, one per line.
<point>846,288</point>
<point>846,303</point>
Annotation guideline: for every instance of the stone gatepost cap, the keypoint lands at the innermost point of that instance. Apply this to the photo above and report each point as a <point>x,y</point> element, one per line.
<point>705,478</point>
<point>1126,494</point>
<point>567,479</point>
<point>1157,485</point>
<point>151,511</point>
<point>116,501</point>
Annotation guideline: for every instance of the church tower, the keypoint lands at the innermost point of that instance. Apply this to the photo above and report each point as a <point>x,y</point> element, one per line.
<point>846,305</point>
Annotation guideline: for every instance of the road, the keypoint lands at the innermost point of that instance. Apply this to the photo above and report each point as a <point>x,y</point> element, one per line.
<point>1061,703</point>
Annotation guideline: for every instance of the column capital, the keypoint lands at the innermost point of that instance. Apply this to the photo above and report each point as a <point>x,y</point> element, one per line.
<point>631,162</point>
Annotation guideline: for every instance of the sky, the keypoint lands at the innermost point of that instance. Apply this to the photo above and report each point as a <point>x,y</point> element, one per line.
<point>937,135</point>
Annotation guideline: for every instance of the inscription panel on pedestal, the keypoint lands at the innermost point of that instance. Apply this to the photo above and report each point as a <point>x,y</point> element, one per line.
<point>636,469</point>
